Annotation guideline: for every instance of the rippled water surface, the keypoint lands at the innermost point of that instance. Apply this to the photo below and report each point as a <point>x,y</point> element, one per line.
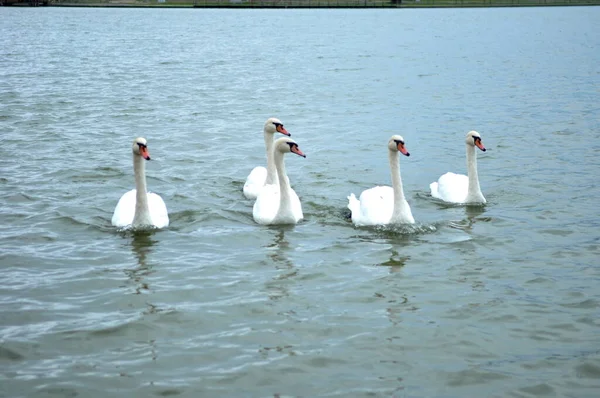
<point>493,301</point>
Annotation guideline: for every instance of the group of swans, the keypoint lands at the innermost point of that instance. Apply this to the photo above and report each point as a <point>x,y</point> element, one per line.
<point>384,205</point>
<point>277,203</point>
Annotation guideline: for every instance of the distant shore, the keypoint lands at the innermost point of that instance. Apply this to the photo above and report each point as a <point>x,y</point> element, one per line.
<point>297,3</point>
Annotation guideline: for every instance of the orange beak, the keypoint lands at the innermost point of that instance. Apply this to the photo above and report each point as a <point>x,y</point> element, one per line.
<point>402,149</point>
<point>479,145</point>
<point>144,152</point>
<point>282,130</point>
<point>297,151</point>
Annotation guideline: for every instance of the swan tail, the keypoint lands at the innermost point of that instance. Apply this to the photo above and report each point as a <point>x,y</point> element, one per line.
<point>354,206</point>
<point>255,181</point>
<point>353,203</point>
<point>433,187</point>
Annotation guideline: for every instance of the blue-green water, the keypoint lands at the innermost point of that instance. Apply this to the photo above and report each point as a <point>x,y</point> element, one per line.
<point>493,301</point>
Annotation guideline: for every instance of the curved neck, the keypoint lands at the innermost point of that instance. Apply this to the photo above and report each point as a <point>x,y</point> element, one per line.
<point>474,188</point>
<point>284,186</point>
<point>271,170</point>
<point>396,183</point>
<point>142,213</point>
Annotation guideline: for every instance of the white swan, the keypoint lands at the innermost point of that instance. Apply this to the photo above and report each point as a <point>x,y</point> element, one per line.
<point>279,204</point>
<point>138,208</point>
<point>384,205</point>
<point>458,188</point>
<point>261,176</point>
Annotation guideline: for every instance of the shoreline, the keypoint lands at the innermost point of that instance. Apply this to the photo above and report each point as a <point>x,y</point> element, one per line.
<point>297,4</point>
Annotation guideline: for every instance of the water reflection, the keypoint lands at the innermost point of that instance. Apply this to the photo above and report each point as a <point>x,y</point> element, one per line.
<point>278,254</point>
<point>395,297</point>
<point>396,262</point>
<point>474,212</point>
<point>141,245</point>
<point>473,215</point>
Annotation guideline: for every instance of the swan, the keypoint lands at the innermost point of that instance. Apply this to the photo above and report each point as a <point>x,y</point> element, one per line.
<point>384,205</point>
<point>458,188</point>
<point>261,176</point>
<point>138,208</point>
<point>279,204</point>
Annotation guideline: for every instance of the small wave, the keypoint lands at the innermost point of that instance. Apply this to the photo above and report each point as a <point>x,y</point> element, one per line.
<point>144,229</point>
<point>11,355</point>
<point>406,229</point>
<point>100,173</point>
<point>447,205</point>
<point>331,215</point>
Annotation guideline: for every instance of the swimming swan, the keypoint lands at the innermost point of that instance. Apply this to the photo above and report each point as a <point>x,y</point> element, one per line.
<point>384,205</point>
<point>458,188</point>
<point>279,204</point>
<point>138,208</point>
<point>261,176</point>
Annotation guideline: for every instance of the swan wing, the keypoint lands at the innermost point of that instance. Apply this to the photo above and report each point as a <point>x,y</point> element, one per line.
<point>125,210</point>
<point>266,205</point>
<point>451,187</point>
<point>158,211</point>
<point>374,207</point>
<point>296,206</point>
<point>290,215</point>
<point>255,182</point>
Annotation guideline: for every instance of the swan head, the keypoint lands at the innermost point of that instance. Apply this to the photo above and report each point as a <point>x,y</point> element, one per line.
<point>140,148</point>
<point>396,144</point>
<point>474,139</point>
<point>288,145</point>
<point>274,125</point>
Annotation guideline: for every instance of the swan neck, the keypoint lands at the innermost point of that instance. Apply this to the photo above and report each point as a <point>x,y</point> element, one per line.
<point>284,186</point>
<point>142,214</point>
<point>472,171</point>
<point>271,169</point>
<point>396,180</point>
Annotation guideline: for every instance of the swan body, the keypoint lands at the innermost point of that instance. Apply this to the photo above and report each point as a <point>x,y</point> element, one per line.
<point>139,208</point>
<point>460,188</point>
<point>383,205</point>
<point>261,176</point>
<point>279,204</point>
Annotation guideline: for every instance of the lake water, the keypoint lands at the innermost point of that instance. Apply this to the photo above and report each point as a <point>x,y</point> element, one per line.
<point>486,301</point>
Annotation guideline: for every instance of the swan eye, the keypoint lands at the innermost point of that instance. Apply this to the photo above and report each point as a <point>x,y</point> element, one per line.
<point>277,125</point>
<point>140,145</point>
<point>399,142</point>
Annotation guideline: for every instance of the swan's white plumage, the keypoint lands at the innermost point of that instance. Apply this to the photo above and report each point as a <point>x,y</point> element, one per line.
<point>267,206</point>
<point>260,175</point>
<point>459,188</point>
<point>138,208</point>
<point>279,204</point>
<point>383,205</point>
<point>375,206</point>
<point>255,182</point>
<point>450,187</point>
<point>125,210</point>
